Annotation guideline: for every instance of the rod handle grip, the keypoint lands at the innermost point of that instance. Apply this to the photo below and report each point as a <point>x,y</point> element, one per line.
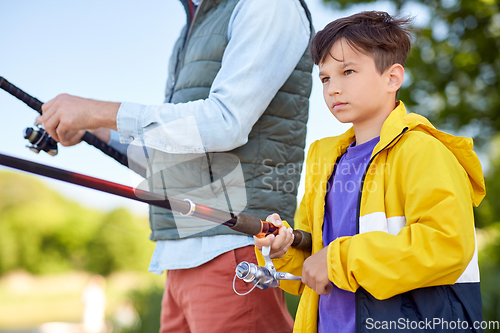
<point>302,240</point>
<point>93,140</point>
<point>31,101</point>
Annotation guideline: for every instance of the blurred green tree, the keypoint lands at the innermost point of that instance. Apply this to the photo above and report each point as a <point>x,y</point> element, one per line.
<point>147,303</point>
<point>489,263</point>
<point>118,244</point>
<point>452,73</point>
<point>42,232</point>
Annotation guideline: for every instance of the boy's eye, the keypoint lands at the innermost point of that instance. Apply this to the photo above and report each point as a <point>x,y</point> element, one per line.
<point>348,72</point>
<point>325,79</point>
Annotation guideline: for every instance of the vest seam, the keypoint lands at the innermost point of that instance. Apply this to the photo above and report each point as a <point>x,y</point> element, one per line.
<point>288,144</point>
<point>289,119</point>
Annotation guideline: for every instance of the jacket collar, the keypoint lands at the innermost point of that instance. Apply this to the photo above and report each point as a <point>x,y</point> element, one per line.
<point>398,122</point>
<point>393,126</point>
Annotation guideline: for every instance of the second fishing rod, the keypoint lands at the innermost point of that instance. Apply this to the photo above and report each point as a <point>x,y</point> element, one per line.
<point>241,222</point>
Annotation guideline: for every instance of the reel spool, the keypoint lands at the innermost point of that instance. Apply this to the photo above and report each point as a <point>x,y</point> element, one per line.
<point>40,140</point>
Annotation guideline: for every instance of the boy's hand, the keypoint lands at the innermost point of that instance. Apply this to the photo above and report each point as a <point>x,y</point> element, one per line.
<point>315,273</point>
<point>279,243</point>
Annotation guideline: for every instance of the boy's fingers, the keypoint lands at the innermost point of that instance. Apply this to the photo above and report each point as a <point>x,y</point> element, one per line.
<point>322,289</point>
<point>281,238</point>
<point>274,219</point>
<point>328,289</point>
<point>266,241</point>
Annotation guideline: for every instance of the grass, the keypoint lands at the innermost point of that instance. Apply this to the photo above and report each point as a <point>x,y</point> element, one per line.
<point>28,301</point>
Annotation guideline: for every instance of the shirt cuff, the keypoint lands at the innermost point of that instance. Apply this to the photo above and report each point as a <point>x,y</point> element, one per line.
<point>114,141</point>
<point>128,121</point>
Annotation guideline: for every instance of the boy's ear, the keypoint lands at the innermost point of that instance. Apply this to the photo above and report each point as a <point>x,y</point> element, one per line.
<point>396,76</point>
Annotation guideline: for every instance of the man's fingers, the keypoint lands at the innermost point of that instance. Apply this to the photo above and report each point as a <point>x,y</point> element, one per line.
<point>47,105</point>
<point>38,120</point>
<point>72,138</point>
<point>51,127</point>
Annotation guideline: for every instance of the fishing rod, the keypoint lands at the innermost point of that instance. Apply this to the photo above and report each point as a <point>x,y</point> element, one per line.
<point>244,223</point>
<point>40,140</point>
<point>262,277</point>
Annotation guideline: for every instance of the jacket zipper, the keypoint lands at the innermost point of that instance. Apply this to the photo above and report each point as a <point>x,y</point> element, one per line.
<point>182,52</point>
<point>358,208</point>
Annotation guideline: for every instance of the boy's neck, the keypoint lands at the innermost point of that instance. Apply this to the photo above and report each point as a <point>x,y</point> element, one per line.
<point>370,129</point>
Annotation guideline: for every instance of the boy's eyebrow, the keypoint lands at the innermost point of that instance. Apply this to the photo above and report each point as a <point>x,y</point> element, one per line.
<point>347,64</point>
<point>343,65</point>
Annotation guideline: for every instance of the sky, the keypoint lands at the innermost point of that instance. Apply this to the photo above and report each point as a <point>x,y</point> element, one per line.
<point>108,50</point>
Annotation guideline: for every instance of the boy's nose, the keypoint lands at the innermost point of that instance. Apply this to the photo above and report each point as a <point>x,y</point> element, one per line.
<point>334,89</point>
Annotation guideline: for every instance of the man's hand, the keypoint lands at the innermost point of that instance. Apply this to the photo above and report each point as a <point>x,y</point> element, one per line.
<point>315,273</point>
<point>66,117</point>
<point>279,243</point>
<point>103,134</point>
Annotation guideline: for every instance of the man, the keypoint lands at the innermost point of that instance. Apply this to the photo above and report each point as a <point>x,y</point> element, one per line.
<point>239,82</point>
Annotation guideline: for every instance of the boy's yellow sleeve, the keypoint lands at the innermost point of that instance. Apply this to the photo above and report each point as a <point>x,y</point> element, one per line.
<point>435,246</point>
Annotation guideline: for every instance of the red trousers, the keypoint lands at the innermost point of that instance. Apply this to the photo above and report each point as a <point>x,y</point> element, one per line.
<point>202,299</point>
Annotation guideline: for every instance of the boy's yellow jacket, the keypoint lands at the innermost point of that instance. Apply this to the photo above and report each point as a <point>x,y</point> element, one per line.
<point>415,227</point>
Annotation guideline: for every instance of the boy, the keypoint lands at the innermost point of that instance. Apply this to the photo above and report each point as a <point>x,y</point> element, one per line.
<point>388,203</point>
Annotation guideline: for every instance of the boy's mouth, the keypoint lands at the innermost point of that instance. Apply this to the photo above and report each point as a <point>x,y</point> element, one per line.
<point>338,105</point>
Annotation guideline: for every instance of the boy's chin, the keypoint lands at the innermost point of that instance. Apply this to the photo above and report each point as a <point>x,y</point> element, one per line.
<point>341,119</point>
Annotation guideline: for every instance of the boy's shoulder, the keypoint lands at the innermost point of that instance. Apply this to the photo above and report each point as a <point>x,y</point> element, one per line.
<point>332,143</point>
<point>422,132</point>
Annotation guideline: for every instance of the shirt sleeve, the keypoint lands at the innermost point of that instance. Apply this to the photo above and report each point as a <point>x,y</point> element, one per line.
<point>266,39</point>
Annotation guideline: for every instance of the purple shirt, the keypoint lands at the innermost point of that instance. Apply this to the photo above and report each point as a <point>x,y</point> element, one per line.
<point>337,309</point>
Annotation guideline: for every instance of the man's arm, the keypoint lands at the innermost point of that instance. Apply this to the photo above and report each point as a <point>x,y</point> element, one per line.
<point>266,40</point>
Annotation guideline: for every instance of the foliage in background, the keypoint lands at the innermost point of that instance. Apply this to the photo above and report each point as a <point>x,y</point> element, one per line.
<point>489,210</point>
<point>42,232</point>
<point>489,257</point>
<point>147,303</point>
<point>489,262</point>
<point>453,69</point>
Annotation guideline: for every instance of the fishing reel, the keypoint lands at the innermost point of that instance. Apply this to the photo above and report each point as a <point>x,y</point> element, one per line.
<point>40,140</point>
<point>261,277</point>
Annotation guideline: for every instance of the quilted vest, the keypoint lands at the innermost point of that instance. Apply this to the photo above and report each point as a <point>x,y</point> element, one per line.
<point>271,160</point>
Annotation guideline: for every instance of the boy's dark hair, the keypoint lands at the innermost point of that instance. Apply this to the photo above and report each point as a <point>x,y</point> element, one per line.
<point>378,34</point>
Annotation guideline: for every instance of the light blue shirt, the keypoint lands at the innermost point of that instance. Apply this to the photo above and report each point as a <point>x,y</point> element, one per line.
<point>266,39</point>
